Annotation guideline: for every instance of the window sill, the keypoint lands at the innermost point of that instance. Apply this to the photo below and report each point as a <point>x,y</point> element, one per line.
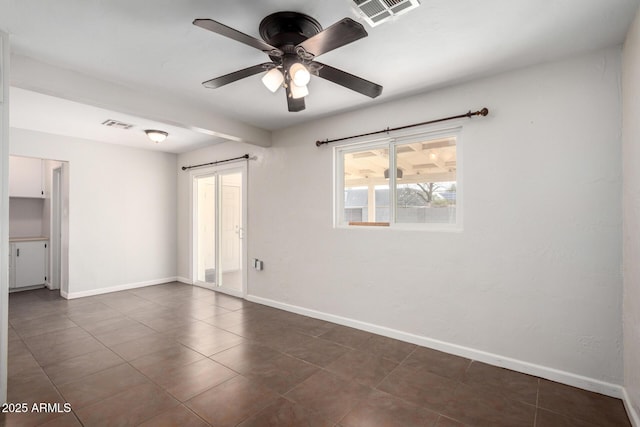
<point>447,228</point>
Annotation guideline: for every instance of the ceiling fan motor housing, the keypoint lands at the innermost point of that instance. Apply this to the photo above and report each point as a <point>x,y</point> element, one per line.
<point>283,29</point>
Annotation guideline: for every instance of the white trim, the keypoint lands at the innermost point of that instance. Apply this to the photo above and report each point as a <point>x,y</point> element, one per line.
<point>568,378</point>
<point>127,286</point>
<point>204,285</point>
<point>219,289</point>
<point>442,127</point>
<point>55,241</point>
<point>634,417</point>
<point>222,290</point>
<point>232,292</point>
<point>184,280</point>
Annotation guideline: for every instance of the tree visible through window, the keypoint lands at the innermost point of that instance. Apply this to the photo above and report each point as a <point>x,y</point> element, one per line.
<point>424,189</point>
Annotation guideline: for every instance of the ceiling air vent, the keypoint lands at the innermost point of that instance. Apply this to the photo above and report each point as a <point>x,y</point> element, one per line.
<point>117,124</point>
<point>375,12</point>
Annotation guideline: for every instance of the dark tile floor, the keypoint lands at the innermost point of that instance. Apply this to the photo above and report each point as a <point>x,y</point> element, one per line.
<point>177,355</point>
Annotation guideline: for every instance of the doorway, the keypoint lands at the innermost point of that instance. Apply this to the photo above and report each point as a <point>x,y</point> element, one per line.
<point>38,217</point>
<point>219,224</point>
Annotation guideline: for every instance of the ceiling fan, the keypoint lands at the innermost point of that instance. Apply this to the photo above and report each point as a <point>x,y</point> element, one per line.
<point>292,41</point>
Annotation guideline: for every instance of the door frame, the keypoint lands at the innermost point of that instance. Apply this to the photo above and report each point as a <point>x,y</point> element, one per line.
<point>211,171</point>
<point>55,243</point>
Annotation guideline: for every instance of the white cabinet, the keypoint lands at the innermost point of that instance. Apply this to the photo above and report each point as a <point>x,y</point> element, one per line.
<point>27,263</point>
<point>25,177</point>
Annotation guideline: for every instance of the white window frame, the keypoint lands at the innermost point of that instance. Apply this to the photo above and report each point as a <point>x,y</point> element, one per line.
<point>391,143</point>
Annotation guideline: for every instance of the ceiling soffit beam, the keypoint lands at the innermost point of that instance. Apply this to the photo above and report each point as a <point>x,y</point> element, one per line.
<point>30,74</point>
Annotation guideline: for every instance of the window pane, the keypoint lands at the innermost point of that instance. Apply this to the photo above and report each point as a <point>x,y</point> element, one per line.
<point>366,190</point>
<point>426,192</point>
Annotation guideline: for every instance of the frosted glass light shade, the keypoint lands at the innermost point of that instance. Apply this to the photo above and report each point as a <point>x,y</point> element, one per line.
<point>299,74</point>
<point>273,79</point>
<point>156,135</point>
<point>298,91</point>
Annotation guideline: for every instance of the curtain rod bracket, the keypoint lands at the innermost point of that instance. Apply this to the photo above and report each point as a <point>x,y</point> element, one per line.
<point>483,112</point>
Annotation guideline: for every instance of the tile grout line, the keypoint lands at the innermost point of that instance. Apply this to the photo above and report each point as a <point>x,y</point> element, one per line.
<point>459,382</point>
<point>55,386</point>
<point>393,370</point>
<point>99,371</point>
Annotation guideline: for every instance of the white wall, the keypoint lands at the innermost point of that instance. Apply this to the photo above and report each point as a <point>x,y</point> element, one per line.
<point>533,282</point>
<point>4,211</point>
<point>122,211</point>
<point>631,211</point>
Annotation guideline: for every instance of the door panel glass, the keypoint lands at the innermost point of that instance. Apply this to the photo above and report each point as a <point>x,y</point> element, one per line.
<point>366,187</point>
<point>206,229</point>
<point>231,230</point>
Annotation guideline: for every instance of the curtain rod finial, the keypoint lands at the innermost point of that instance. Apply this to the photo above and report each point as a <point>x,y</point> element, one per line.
<point>484,111</point>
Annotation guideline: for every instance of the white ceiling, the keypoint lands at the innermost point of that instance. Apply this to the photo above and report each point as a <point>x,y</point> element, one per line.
<point>152,45</point>
<point>58,116</point>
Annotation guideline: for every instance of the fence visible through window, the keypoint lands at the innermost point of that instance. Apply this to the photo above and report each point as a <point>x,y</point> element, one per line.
<point>423,190</point>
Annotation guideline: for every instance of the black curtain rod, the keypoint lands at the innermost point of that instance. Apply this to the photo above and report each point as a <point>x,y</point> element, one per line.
<point>482,112</point>
<point>246,156</point>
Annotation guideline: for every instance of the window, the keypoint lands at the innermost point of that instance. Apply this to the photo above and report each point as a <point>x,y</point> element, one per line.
<point>425,190</point>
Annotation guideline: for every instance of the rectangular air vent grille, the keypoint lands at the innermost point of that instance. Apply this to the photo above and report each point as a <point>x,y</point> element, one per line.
<point>376,12</point>
<point>117,124</point>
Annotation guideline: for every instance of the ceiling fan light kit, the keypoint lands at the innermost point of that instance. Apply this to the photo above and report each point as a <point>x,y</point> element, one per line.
<point>292,41</point>
<point>298,92</point>
<point>299,74</point>
<point>273,79</point>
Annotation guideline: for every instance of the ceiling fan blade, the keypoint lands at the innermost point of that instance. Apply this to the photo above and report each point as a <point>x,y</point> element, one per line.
<point>237,75</point>
<point>223,30</point>
<point>349,81</point>
<point>294,104</point>
<point>339,34</point>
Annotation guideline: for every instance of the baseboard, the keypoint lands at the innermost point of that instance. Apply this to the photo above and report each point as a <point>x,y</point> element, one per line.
<point>184,280</point>
<point>552,374</point>
<point>125,287</point>
<point>634,417</point>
